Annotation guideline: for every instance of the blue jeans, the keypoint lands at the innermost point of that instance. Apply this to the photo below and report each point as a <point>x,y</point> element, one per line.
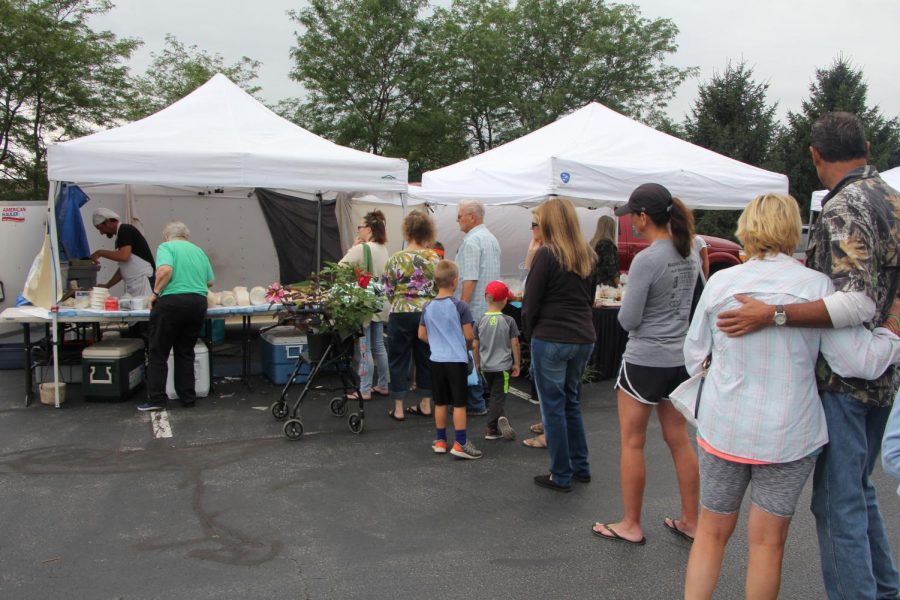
<point>475,402</point>
<point>370,347</point>
<point>405,346</point>
<point>855,553</point>
<point>557,369</point>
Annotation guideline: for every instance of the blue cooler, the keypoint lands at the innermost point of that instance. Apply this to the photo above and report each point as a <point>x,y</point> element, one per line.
<point>281,347</point>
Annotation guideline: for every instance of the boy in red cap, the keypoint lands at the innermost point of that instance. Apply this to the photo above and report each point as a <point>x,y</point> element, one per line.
<point>497,356</point>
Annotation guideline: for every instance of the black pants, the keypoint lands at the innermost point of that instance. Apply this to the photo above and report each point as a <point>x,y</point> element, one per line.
<point>175,323</point>
<point>497,383</point>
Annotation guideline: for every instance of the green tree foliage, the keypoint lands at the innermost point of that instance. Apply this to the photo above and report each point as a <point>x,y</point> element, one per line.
<point>179,70</point>
<point>360,61</point>
<point>732,117</point>
<point>840,87</point>
<point>58,79</point>
<point>382,76</point>
<point>473,52</point>
<point>571,52</point>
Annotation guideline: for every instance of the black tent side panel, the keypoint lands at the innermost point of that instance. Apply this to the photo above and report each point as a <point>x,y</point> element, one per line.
<point>292,223</point>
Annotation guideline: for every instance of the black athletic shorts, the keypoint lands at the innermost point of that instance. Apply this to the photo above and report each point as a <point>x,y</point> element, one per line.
<point>449,383</point>
<point>649,385</point>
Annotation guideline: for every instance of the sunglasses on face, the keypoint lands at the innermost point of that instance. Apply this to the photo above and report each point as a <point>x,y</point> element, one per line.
<point>534,225</point>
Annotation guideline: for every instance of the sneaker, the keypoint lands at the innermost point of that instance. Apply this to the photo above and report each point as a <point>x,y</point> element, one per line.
<point>468,451</point>
<point>476,413</point>
<point>506,429</point>
<point>146,406</point>
<point>491,433</point>
<point>439,446</point>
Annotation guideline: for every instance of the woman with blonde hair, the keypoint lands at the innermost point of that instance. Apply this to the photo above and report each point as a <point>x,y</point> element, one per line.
<point>760,422</point>
<point>655,314</point>
<point>604,244</point>
<point>556,316</point>
<point>409,285</point>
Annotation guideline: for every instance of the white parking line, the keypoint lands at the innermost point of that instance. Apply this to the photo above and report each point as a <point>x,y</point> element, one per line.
<point>159,422</point>
<point>521,394</point>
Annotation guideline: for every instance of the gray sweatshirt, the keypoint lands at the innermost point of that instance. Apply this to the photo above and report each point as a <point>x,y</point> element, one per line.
<point>656,305</point>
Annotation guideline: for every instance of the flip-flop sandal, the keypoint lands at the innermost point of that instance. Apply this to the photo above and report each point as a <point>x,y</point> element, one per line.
<point>415,410</point>
<point>670,524</point>
<point>537,428</point>
<point>354,398</point>
<point>379,392</point>
<point>395,417</point>
<point>534,443</point>
<point>615,537</point>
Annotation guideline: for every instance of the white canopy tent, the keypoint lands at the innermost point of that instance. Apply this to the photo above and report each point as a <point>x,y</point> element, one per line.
<point>891,176</point>
<point>216,140</point>
<point>596,157</point>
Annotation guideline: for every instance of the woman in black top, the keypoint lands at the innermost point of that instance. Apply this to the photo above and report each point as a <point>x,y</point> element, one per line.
<point>604,244</point>
<point>556,316</point>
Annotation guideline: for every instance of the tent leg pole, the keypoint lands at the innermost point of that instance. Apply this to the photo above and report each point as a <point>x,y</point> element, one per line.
<point>55,276</point>
<point>319,234</point>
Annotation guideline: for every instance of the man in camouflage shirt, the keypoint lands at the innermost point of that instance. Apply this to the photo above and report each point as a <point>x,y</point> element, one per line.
<point>855,242</point>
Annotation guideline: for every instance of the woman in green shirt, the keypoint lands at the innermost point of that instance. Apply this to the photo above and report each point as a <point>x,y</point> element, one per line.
<point>177,312</point>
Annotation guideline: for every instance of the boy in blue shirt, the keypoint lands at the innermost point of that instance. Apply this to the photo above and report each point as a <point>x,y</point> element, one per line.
<point>446,326</point>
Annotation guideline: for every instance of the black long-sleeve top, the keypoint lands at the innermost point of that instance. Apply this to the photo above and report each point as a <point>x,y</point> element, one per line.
<point>557,303</point>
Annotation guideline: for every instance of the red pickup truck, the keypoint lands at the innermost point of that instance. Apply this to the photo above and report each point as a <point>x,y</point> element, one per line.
<point>722,253</point>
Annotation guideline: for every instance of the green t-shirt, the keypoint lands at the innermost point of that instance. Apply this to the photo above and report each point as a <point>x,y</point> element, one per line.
<point>191,271</point>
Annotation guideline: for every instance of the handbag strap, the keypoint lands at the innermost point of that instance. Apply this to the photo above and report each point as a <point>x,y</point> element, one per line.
<point>367,258</point>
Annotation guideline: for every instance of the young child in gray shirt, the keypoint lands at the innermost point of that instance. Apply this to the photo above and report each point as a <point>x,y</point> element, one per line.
<point>498,357</point>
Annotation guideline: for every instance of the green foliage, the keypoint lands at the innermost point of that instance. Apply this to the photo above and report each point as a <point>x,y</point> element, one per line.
<point>59,78</point>
<point>179,70</point>
<point>840,87</point>
<point>384,77</point>
<point>360,62</point>
<point>718,223</point>
<point>731,116</point>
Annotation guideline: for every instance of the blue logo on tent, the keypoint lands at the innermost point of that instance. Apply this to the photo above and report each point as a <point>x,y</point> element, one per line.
<point>565,176</point>
<point>388,177</point>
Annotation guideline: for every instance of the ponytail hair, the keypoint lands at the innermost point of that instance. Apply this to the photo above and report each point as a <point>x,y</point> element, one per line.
<point>680,220</point>
<point>376,222</point>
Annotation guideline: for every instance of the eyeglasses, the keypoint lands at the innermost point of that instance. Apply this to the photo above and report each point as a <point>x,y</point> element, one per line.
<point>358,227</point>
<point>534,225</point>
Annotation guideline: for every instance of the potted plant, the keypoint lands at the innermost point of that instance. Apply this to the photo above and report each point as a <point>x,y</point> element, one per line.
<point>331,307</point>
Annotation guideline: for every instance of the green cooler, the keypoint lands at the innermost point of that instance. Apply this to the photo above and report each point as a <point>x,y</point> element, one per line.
<point>112,370</point>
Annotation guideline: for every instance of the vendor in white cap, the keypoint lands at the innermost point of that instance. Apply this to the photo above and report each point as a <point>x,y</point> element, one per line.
<point>136,264</point>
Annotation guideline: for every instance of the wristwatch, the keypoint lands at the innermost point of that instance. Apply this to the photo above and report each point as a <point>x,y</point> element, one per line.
<point>780,316</point>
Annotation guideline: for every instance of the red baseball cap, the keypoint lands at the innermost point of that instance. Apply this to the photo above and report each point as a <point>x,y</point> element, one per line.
<point>498,291</point>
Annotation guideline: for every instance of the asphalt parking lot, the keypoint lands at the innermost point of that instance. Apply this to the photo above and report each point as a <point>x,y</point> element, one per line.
<point>95,506</point>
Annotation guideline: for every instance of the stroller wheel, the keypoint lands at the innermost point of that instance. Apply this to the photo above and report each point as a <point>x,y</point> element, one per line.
<point>279,410</point>
<point>339,406</point>
<point>293,429</point>
<point>356,423</point>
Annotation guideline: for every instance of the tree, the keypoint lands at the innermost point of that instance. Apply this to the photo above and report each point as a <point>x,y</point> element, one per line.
<point>473,49</point>
<point>732,117</point>
<point>571,52</point>
<point>361,63</point>
<point>178,70</point>
<point>840,87</point>
<point>59,79</point>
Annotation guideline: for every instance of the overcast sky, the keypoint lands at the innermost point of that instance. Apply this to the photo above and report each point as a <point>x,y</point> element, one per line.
<point>783,40</point>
